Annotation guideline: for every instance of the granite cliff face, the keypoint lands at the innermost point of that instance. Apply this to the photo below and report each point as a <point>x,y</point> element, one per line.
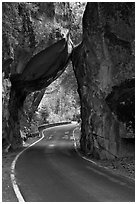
<point>40,71</point>
<point>104,68</point>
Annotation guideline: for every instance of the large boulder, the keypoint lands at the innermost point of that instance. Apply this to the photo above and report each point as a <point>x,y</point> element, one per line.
<point>105,60</point>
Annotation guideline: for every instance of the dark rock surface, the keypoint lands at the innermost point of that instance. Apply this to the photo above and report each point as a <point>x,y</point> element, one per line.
<point>105,60</point>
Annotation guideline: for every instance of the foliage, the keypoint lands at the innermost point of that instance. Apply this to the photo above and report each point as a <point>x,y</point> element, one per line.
<point>29,27</point>
<point>62,104</point>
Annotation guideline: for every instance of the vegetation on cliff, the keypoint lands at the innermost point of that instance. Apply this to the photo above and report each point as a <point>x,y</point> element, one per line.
<point>103,64</point>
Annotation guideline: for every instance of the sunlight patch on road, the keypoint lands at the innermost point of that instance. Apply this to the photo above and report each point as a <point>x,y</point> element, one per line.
<point>67,132</point>
<point>65,137</point>
<point>71,137</point>
<point>50,137</point>
<point>51,145</point>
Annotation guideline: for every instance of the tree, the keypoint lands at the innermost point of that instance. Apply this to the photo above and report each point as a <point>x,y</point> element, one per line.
<point>23,23</point>
<point>60,101</point>
<point>104,59</point>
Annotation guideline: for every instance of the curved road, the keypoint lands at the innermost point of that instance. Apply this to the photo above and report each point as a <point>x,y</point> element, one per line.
<point>52,171</point>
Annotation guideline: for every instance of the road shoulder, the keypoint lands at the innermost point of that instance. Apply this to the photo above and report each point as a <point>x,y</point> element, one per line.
<point>124,167</point>
<point>8,194</point>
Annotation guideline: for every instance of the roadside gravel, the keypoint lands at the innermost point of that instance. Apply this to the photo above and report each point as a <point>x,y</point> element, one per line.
<point>123,166</point>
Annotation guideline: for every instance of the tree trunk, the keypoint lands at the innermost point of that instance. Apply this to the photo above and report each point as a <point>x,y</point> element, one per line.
<point>36,103</point>
<point>31,79</point>
<point>100,62</point>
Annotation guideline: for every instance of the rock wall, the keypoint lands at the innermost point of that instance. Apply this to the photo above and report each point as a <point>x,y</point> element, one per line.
<point>103,60</point>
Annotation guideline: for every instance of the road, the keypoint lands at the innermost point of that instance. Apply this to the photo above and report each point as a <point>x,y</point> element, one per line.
<point>52,171</point>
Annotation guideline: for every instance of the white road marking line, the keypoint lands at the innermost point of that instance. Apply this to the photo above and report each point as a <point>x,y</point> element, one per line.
<point>51,145</point>
<point>75,145</point>
<point>50,137</point>
<point>67,132</point>
<point>12,174</point>
<point>13,180</point>
<point>13,165</point>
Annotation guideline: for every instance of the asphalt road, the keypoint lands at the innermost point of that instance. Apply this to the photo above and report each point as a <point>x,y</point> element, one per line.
<point>52,171</point>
